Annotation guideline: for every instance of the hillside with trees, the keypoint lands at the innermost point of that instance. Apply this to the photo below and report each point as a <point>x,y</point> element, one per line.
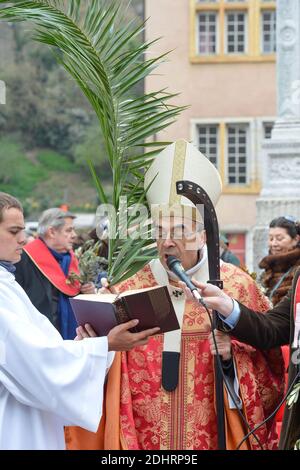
<point>48,130</point>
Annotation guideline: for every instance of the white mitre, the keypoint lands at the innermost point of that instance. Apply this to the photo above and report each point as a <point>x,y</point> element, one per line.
<point>180,161</point>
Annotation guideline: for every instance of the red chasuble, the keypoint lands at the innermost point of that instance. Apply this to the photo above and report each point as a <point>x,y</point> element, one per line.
<point>48,265</point>
<point>140,414</point>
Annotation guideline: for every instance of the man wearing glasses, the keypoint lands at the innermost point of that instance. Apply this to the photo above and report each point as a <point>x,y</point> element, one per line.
<point>161,396</point>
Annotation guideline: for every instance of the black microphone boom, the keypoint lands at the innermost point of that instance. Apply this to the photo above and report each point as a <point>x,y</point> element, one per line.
<point>176,267</point>
<point>199,197</point>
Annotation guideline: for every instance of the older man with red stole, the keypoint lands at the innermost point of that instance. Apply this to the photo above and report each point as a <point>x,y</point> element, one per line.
<point>44,268</point>
<point>162,396</point>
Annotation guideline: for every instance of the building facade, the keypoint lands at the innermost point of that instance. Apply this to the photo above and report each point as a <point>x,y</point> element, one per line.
<point>223,65</point>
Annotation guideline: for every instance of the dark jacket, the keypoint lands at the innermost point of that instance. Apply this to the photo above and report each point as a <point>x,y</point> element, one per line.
<point>39,289</point>
<point>273,329</point>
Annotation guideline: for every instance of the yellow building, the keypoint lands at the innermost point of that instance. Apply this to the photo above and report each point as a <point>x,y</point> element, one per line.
<point>223,64</point>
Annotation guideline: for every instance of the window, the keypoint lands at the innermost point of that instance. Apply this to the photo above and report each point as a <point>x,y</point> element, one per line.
<point>233,146</point>
<point>207,24</point>
<point>233,30</point>
<point>208,142</point>
<point>237,153</point>
<point>268,126</point>
<point>268,32</point>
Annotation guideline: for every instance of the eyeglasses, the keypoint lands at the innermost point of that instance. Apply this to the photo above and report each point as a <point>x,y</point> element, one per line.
<point>178,232</point>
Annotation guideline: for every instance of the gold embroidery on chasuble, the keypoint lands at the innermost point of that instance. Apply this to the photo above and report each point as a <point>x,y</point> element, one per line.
<point>152,418</point>
<point>171,417</point>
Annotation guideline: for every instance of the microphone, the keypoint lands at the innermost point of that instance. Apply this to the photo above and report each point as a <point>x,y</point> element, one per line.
<point>176,267</point>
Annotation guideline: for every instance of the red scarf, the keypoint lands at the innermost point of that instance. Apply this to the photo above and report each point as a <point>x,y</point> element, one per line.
<point>50,268</point>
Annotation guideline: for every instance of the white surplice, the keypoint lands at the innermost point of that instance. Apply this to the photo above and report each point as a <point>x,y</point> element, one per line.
<point>45,382</point>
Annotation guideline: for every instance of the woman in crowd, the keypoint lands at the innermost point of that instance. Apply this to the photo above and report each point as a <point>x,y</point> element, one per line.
<point>283,258</point>
<point>279,268</point>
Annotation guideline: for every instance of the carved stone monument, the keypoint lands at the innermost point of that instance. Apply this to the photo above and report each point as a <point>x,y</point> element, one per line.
<point>280,156</point>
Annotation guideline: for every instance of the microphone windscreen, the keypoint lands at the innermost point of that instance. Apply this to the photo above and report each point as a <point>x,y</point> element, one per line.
<point>171,260</point>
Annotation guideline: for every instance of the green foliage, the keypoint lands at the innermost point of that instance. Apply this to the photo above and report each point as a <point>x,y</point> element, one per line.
<point>92,148</point>
<point>291,400</point>
<point>54,161</point>
<point>90,263</point>
<point>293,396</point>
<point>38,107</point>
<point>22,172</point>
<point>10,154</point>
<point>17,173</point>
<point>98,50</point>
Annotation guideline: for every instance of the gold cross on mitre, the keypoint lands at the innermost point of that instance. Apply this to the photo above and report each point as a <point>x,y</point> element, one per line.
<point>180,161</point>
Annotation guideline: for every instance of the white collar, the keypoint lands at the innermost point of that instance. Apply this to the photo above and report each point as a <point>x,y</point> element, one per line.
<point>4,274</point>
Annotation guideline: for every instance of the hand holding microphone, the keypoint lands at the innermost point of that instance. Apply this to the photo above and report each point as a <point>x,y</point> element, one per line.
<point>212,297</point>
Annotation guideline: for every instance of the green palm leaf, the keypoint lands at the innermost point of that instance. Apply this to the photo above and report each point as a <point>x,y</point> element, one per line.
<point>293,395</point>
<point>94,43</point>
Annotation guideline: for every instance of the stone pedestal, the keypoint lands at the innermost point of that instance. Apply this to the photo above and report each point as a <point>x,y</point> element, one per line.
<point>281,168</point>
<point>288,70</point>
<point>268,209</point>
<point>280,156</point>
<point>280,194</point>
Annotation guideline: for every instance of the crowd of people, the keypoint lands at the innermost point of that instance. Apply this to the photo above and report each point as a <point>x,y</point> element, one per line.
<point>145,390</point>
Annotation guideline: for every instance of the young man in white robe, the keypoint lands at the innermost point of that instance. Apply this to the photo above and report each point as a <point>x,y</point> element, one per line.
<point>46,382</point>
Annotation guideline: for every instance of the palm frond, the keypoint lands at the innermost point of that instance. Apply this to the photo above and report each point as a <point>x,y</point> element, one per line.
<point>95,44</point>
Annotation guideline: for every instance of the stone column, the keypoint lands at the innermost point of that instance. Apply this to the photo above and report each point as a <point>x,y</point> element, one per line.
<point>280,155</point>
<point>288,70</point>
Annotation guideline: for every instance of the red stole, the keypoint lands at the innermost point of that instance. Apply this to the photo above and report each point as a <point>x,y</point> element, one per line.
<point>297,296</point>
<point>50,268</point>
<point>296,316</point>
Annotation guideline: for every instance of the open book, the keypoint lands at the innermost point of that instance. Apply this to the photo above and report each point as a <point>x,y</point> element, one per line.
<point>151,306</point>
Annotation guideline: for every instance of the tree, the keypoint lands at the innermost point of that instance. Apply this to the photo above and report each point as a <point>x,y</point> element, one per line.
<point>93,48</point>
<point>9,169</point>
<point>39,108</point>
<point>92,149</point>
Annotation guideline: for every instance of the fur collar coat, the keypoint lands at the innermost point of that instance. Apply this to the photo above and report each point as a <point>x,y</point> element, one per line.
<point>278,273</point>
